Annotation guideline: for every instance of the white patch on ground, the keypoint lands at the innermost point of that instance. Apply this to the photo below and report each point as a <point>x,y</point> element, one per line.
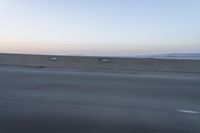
<point>188,111</point>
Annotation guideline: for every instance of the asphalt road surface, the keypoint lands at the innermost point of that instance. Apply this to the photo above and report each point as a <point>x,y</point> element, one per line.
<point>51,101</point>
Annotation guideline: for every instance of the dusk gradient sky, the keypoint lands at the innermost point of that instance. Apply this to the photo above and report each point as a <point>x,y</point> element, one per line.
<point>99,27</point>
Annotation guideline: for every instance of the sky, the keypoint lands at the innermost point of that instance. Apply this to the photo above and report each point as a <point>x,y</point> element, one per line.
<point>99,27</point>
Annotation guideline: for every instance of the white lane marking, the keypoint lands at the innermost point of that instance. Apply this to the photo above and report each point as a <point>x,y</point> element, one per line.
<point>188,111</point>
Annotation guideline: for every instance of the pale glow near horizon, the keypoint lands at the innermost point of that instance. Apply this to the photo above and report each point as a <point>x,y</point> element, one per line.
<point>99,27</point>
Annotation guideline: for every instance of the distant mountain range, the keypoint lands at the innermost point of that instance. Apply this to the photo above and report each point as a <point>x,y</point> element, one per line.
<point>193,56</point>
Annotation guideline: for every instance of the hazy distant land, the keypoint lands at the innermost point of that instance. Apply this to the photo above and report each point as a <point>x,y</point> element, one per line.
<point>193,56</point>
